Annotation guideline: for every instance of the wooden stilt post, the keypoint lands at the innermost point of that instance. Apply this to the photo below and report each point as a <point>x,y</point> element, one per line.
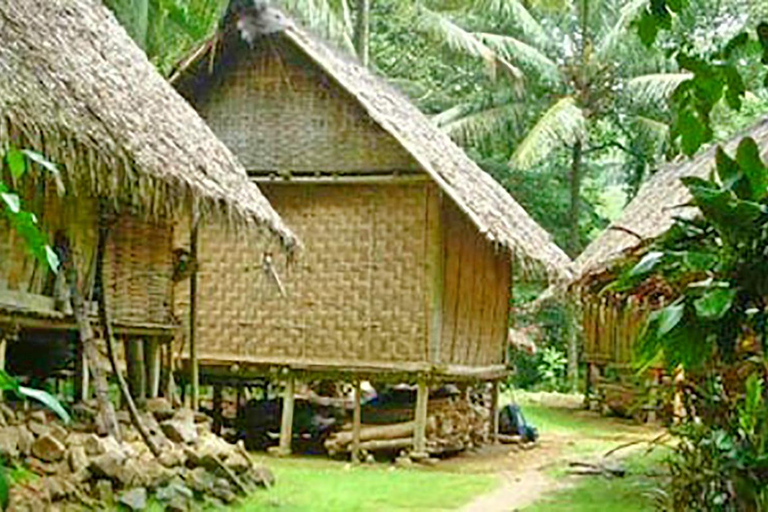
<point>153,360</point>
<point>286,426</point>
<point>494,410</point>
<point>3,348</point>
<point>239,404</point>
<point>356,420</point>
<point>420,416</point>
<point>588,386</point>
<point>137,374</point>
<point>217,404</point>
<point>82,376</point>
<point>194,375</point>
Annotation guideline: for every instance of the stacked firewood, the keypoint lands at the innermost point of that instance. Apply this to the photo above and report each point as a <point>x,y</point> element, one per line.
<point>453,425</point>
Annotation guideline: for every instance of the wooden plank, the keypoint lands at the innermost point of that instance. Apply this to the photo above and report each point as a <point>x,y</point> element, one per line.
<point>435,272</point>
<point>484,336</point>
<point>194,373</point>
<point>452,256</point>
<point>466,289</point>
<point>346,179</point>
<point>501,309</point>
<point>356,421</point>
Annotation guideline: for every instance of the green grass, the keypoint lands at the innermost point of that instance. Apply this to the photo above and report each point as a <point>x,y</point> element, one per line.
<point>633,493</point>
<point>324,486</point>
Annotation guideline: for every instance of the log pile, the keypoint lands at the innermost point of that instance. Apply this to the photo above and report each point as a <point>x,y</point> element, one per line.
<point>453,425</point>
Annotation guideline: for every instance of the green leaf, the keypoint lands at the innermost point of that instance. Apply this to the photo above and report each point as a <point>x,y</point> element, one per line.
<point>46,399</point>
<point>715,303</point>
<point>736,88</point>
<point>46,164</point>
<point>646,264</point>
<point>52,258</point>
<point>748,158</point>
<point>11,201</point>
<point>692,130</point>
<point>8,383</point>
<point>647,28</point>
<point>669,317</point>
<point>16,163</point>
<point>728,170</point>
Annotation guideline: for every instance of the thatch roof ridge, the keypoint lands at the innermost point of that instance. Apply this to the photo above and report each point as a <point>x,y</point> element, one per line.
<point>74,86</point>
<point>491,209</point>
<point>653,210</point>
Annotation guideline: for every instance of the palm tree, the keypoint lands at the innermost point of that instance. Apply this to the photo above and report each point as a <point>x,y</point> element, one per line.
<point>582,64</point>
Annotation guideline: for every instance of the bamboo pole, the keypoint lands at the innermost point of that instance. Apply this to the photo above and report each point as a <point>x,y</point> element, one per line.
<point>87,338</point>
<point>137,374</point>
<point>356,420</point>
<point>286,425</point>
<point>194,370</point>
<point>153,363</point>
<point>217,408</point>
<point>494,409</point>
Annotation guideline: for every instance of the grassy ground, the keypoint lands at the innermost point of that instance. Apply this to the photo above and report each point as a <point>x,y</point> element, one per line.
<point>318,485</point>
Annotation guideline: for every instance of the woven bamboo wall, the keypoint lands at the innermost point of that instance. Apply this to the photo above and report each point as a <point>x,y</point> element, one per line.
<point>279,113</point>
<point>476,294</point>
<point>356,294</point>
<point>611,329</point>
<point>138,264</point>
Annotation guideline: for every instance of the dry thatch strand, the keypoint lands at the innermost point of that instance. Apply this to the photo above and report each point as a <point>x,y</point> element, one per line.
<point>74,86</point>
<point>490,208</point>
<point>652,212</point>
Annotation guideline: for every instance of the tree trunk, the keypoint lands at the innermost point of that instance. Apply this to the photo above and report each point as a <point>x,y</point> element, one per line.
<point>573,215</point>
<point>362,31</point>
<point>87,339</point>
<point>106,327</point>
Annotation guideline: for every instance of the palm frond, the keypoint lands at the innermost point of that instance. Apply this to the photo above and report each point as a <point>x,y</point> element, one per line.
<point>523,54</point>
<point>513,11</point>
<point>653,129</point>
<point>466,125</point>
<point>463,42</point>
<point>324,18</point>
<point>563,123</point>
<point>655,88</point>
<point>618,31</point>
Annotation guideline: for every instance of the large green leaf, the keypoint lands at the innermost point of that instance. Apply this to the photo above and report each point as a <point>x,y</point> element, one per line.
<point>714,303</point>
<point>16,163</point>
<point>748,158</point>
<point>669,317</point>
<point>46,399</point>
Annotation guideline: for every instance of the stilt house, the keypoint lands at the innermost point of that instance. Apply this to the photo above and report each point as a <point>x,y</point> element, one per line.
<point>75,88</point>
<point>612,322</point>
<point>409,244</point>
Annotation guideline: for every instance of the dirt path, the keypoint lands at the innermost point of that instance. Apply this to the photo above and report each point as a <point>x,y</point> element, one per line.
<point>527,475</point>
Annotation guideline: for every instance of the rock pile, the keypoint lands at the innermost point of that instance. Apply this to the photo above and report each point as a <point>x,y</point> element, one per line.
<point>78,469</point>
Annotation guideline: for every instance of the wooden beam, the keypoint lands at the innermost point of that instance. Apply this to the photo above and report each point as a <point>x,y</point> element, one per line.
<point>420,417</point>
<point>153,363</point>
<point>286,425</point>
<point>356,420</point>
<point>137,373</point>
<point>217,406</point>
<point>358,179</point>
<point>494,409</point>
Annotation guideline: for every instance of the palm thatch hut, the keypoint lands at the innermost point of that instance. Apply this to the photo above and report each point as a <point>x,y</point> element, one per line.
<point>409,244</point>
<point>74,87</point>
<point>612,322</point>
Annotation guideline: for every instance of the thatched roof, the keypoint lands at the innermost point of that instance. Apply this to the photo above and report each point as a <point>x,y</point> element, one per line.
<point>652,212</point>
<point>75,87</point>
<point>492,210</point>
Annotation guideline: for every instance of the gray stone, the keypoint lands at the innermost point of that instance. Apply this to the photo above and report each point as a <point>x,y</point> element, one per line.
<point>58,488</point>
<point>58,432</point>
<point>160,408</point>
<point>134,499</point>
<point>172,489</point>
<point>48,448</point>
<point>38,417</point>
<point>178,504</point>
<point>39,429</point>
<point>237,463</point>
<point>92,445</point>
<point>200,480</point>
<point>180,431</point>
<point>123,417</point>
<point>172,458</point>
<point>223,491</point>
<point>77,459</point>
<point>262,476</point>
<point>9,442</point>
<point>104,492</point>
<point>9,415</point>
<point>108,465</point>
<point>26,440</point>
